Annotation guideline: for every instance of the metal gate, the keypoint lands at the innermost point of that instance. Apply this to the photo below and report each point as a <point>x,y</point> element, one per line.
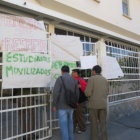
<point>120,90</point>
<point>25,113</point>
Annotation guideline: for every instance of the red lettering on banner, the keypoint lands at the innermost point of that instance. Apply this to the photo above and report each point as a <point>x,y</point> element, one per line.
<point>20,22</point>
<point>21,44</point>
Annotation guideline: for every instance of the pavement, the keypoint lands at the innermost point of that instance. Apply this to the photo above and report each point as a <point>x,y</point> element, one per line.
<point>125,128</point>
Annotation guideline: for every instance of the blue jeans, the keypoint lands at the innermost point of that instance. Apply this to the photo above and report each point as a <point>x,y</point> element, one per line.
<point>66,123</point>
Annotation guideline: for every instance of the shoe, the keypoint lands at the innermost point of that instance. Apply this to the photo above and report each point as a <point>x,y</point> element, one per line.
<point>79,132</point>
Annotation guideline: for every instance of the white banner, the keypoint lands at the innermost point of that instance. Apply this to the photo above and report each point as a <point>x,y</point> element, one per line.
<point>111,68</point>
<point>25,70</point>
<point>66,48</point>
<point>22,34</point>
<point>56,68</point>
<point>87,62</point>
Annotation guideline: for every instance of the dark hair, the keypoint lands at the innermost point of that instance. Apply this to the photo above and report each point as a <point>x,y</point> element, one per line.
<point>65,69</point>
<point>76,70</point>
<point>97,69</point>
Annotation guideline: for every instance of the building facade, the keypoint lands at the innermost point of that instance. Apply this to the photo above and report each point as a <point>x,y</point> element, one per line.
<point>111,25</point>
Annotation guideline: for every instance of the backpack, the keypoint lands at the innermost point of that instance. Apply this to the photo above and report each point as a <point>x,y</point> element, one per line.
<point>71,97</point>
<point>82,96</point>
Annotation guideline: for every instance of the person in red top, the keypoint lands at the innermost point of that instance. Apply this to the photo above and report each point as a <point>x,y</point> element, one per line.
<point>79,113</point>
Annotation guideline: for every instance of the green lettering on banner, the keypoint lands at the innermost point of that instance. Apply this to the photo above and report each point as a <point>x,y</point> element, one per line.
<point>15,57</point>
<point>37,71</point>
<point>37,59</point>
<point>55,76</point>
<point>20,71</point>
<point>28,73</point>
<point>31,59</point>
<point>33,71</point>
<point>8,70</point>
<point>8,57</point>
<point>59,64</point>
<point>21,57</point>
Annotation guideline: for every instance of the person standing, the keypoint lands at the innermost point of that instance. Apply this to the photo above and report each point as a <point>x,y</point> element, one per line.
<point>63,85</point>
<point>97,91</point>
<point>79,113</point>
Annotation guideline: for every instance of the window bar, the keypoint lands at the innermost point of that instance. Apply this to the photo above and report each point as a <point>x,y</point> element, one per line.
<point>43,111</point>
<point>50,101</point>
<point>30,118</point>
<point>18,103</point>
<point>1,112</point>
<point>39,112</point>
<point>26,115</point>
<point>12,113</point>
<point>21,112</point>
<point>45,115</point>
<point>7,119</point>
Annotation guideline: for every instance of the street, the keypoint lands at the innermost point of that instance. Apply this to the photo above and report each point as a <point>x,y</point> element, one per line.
<point>125,128</point>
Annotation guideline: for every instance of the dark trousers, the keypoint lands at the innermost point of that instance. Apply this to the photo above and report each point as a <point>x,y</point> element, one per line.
<point>79,117</point>
<point>95,116</point>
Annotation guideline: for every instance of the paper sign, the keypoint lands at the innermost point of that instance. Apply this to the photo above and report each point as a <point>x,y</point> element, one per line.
<point>22,34</point>
<point>56,68</point>
<point>66,48</point>
<point>87,62</point>
<point>24,70</point>
<point>111,68</point>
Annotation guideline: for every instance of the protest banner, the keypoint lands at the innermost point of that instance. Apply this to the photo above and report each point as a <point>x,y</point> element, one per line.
<point>56,68</point>
<point>22,70</point>
<point>66,48</point>
<point>22,34</point>
<point>87,62</point>
<point>111,68</point>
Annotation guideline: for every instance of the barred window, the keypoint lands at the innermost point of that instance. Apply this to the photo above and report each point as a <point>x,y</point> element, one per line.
<point>125,7</point>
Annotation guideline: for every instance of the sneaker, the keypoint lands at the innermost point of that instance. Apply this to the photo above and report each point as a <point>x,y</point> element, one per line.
<point>79,132</point>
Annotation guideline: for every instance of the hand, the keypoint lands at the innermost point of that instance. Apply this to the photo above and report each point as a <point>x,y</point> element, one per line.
<point>54,109</point>
<point>79,86</point>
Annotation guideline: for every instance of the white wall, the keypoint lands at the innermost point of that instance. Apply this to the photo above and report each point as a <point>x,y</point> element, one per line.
<point>109,11</point>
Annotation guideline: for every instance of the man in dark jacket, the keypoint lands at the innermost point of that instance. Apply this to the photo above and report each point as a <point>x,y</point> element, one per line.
<point>79,112</point>
<point>65,112</point>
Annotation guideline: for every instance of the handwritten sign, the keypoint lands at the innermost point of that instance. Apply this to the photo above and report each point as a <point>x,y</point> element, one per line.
<point>56,68</point>
<point>22,70</point>
<point>22,34</point>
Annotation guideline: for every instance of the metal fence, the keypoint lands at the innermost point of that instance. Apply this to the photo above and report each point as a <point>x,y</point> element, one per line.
<point>128,57</point>
<point>25,113</point>
<point>122,89</point>
<point>28,112</point>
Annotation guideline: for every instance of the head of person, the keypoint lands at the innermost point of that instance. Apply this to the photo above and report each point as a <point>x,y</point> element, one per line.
<point>75,73</point>
<point>65,69</point>
<point>96,70</point>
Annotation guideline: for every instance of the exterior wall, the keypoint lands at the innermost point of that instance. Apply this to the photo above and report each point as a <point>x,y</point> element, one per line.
<point>106,18</point>
<point>106,14</point>
<point>124,108</point>
<point>109,11</point>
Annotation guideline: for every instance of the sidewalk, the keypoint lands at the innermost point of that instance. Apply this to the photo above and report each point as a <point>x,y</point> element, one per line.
<point>126,128</point>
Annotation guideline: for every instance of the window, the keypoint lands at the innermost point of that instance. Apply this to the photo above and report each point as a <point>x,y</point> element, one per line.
<point>125,7</point>
<point>97,1</point>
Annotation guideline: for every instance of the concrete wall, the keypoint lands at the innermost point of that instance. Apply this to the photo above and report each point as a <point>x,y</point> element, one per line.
<point>106,14</point>
<point>124,108</point>
<point>109,11</point>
